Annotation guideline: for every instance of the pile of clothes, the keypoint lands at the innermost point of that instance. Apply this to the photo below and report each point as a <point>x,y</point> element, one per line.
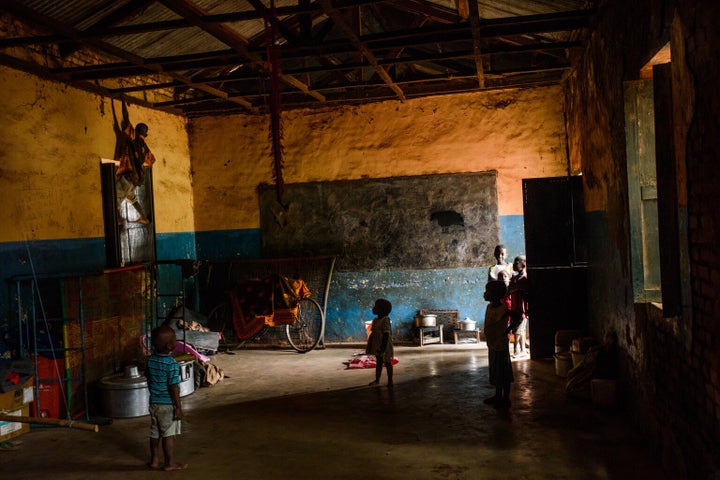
<point>362,360</point>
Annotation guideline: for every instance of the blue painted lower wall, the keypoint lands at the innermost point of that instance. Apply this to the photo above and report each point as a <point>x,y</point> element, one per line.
<point>228,244</point>
<point>352,294</point>
<point>71,257</point>
<point>512,235</point>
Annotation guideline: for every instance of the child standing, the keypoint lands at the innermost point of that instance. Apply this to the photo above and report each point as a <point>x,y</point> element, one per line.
<point>496,330</point>
<point>518,292</point>
<point>380,342</point>
<point>500,254</point>
<point>163,376</point>
<point>506,277</point>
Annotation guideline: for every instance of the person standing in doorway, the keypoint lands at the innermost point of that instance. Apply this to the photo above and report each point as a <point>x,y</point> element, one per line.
<point>518,292</point>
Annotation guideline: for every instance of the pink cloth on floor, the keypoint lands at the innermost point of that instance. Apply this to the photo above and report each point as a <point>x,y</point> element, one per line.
<point>366,361</point>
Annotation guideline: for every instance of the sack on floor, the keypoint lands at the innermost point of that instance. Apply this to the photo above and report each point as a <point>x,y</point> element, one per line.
<point>207,374</point>
<point>213,374</point>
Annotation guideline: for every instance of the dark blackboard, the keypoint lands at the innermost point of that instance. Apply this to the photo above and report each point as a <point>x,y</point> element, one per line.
<point>427,221</point>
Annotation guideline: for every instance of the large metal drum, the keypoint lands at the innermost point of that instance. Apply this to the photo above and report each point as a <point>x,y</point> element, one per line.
<point>187,374</point>
<point>126,394</point>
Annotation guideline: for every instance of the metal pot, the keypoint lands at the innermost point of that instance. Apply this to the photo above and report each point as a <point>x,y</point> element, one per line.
<point>429,320</point>
<point>126,394</point>
<point>187,374</point>
<point>467,324</point>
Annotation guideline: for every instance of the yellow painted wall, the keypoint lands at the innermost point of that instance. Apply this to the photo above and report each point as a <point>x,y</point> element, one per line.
<point>50,149</point>
<point>55,135</point>
<point>519,133</point>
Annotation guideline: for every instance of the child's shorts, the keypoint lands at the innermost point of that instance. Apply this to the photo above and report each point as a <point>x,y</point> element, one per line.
<point>162,422</point>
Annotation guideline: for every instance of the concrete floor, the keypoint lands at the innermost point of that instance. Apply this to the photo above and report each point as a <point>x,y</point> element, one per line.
<point>281,415</point>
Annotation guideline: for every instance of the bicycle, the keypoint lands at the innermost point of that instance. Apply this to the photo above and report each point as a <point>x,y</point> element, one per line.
<point>253,306</point>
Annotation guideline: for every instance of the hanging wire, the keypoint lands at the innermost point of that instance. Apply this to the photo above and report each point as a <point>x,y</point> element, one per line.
<point>36,290</point>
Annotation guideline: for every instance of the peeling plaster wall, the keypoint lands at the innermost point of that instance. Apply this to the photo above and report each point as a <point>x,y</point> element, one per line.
<point>519,133</point>
<point>51,152</point>
<point>670,370</point>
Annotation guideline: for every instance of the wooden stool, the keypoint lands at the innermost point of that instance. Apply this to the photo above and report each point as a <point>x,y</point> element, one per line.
<point>433,339</point>
<point>457,332</point>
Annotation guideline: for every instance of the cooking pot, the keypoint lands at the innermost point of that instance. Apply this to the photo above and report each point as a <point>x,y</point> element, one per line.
<point>187,374</point>
<point>429,320</point>
<point>125,394</point>
<point>467,324</point>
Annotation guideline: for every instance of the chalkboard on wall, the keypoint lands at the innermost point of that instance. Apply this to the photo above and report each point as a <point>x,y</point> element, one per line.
<point>417,222</point>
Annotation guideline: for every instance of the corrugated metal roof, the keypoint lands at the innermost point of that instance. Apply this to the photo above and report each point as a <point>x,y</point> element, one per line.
<point>214,57</point>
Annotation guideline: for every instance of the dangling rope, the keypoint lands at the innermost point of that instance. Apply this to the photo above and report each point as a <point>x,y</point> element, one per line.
<point>275,81</point>
<point>46,325</point>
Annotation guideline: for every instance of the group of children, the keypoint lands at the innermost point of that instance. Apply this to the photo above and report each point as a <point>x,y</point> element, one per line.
<point>514,276</point>
<point>506,313</point>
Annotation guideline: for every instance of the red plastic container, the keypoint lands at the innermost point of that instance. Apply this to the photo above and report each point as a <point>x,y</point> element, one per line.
<point>49,403</point>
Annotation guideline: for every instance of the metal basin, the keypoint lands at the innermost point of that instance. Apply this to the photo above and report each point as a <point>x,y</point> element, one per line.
<point>187,374</point>
<point>126,394</point>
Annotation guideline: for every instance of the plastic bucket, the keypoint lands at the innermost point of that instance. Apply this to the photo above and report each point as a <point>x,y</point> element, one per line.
<point>577,358</point>
<point>563,364</point>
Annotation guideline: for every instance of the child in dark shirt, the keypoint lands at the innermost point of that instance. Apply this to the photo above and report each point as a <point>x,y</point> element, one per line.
<point>499,321</point>
<point>380,342</point>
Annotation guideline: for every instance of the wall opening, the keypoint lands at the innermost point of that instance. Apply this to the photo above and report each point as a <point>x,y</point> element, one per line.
<point>654,179</point>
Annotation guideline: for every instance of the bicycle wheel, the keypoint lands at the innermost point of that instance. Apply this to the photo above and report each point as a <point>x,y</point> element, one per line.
<point>220,320</point>
<point>307,330</point>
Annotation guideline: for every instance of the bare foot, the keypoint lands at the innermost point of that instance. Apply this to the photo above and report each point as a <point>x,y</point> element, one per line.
<point>373,383</point>
<point>152,465</point>
<point>175,466</point>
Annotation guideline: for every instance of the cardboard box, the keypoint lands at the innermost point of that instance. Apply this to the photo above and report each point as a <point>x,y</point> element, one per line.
<point>16,402</point>
<point>10,429</point>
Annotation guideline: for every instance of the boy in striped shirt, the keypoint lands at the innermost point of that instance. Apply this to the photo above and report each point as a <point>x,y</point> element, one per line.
<point>163,376</point>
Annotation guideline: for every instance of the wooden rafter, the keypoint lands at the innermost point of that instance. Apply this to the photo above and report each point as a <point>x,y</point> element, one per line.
<point>410,48</point>
<point>334,14</point>
<point>232,39</point>
<point>477,51</point>
<point>110,49</point>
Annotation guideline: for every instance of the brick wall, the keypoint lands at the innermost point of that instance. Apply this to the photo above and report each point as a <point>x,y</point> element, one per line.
<point>670,368</point>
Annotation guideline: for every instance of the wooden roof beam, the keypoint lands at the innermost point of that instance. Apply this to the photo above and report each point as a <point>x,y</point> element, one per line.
<point>334,14</point>
<point>228,36</point>
<point>53,25</point>
<point>477,51</point>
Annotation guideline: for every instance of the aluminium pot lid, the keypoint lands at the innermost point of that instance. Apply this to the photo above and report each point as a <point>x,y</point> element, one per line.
<point>129,379</point>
